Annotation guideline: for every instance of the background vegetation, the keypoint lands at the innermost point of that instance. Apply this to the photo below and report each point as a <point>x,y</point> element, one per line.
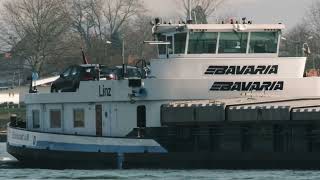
<point>47,35</point>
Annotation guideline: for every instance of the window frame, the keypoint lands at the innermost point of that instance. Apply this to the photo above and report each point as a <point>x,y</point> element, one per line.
<point>33,112</point>
<point>183,50</point>
<point>246,44</point>
<point>83,116</point>
<point>163,38</point>
<point>170,45</point>
<point>278,37</point>
<point>51,120</point>
<point>214,50</point>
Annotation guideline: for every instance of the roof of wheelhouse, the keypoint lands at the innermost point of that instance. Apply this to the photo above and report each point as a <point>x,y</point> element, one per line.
<point>167,28</point>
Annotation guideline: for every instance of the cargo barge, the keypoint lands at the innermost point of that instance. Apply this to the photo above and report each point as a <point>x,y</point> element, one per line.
<point>218,96</point>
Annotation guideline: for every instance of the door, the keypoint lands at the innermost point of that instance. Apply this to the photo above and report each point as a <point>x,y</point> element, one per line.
<point>141,116</point>
<point>99,120</point>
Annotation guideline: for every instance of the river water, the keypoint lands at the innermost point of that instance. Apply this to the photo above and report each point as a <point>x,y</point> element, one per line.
<point>9,169</point>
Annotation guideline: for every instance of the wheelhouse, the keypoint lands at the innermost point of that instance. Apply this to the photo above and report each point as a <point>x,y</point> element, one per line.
<point>218,40</point>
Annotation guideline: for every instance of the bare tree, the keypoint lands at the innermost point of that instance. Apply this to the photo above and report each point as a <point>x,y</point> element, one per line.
<point>118,12</point>
<point>311,24</point>
<point>139,31</point>
<point>35,29</point>
<point>100,21</point>
<point>313,18</point>
<point>208,7</point>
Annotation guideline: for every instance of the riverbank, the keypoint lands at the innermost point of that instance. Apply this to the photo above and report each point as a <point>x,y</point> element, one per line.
<point>6,110</point>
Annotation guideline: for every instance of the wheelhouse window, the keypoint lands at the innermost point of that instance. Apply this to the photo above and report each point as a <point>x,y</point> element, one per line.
<point>233,42</point>
<point>162,47</point>
<point>180,43</point>
<point>78,118</point>
<point>170,46</point>
<point>55,118</point>
<point>202,42</point>
<point>264,42</point>
<point>35,119</point>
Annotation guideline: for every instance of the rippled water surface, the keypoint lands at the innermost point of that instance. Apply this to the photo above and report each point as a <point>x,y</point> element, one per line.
<point>9,170</point>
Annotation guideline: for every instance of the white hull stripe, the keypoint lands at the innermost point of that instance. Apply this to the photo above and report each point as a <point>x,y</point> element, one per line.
<point>95,148</point>
<point>59,142</point>
<point>101,148</point>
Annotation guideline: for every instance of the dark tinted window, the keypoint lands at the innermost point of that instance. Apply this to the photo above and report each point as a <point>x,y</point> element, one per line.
<point>233,42</point>
<point>180,43</point>
<point>170,48</point>
<point>263,42</point>
<point>162,48</point>
<point>55,118</point>
<point>202,43</point>
<point>36,118</point>
<point>78,118</point>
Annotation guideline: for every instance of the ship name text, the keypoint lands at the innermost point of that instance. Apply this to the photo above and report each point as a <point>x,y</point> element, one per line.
<point>242,70</point>
<point>103,91</point>
<point>248,86</point>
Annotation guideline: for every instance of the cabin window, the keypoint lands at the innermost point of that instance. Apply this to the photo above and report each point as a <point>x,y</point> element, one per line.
<point>78,118</point>
<point>35,119</point>
<point>162,47</point>
<point>263,42</point>
<point>180,43</point>
<point>233,42</point>
<point>202,43</point>
<point>55,118</point>
<point>170,46</point>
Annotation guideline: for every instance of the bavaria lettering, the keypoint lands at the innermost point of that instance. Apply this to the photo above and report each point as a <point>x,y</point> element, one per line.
<point>241,70</point>
<point>248,86</point>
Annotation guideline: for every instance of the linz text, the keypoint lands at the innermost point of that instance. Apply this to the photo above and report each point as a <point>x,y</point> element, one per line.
<point>103,91</point>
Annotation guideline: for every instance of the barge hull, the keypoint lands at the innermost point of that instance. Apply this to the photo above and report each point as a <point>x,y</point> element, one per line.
<point>180,160</point>
<point>41,158</point>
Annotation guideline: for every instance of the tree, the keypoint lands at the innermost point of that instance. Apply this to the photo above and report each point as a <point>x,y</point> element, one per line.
<point>100,21</point>
<point>312,24</point>
<point>293,40</point>
<point>140,31</point>
<point>199,16</point>
<point>313,18</point>
<point>204,8</point>
<point>36,30</point>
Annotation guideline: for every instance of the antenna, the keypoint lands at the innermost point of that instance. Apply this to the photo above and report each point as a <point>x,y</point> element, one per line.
<point>123,65</point>
<point>189,20</point>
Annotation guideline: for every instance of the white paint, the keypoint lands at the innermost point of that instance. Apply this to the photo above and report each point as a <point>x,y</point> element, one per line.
<point>20,138</point>
<point>180,77</point>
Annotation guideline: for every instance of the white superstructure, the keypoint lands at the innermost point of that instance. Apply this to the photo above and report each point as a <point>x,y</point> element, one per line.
<point>196,62</point>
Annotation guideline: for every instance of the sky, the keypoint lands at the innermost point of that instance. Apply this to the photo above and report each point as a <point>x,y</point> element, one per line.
<point>288,12</point>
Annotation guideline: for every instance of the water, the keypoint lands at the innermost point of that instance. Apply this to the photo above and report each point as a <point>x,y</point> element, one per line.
<point>9,169</point>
